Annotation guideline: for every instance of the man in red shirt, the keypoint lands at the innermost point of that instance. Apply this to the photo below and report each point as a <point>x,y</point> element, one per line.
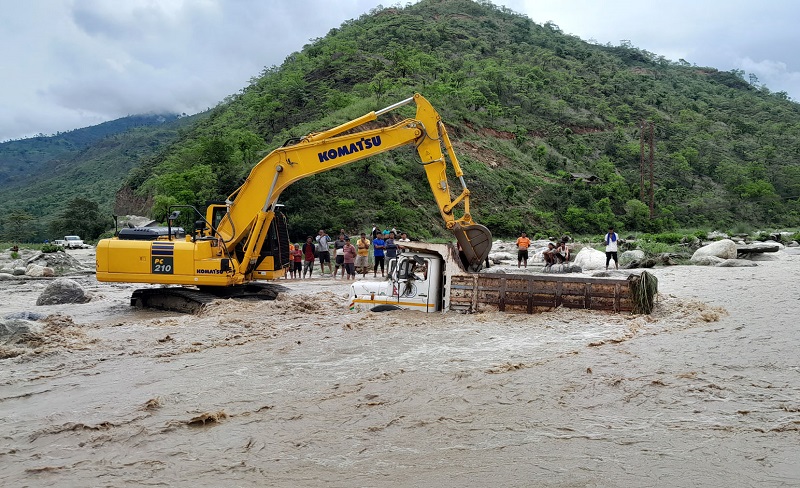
<point>309,254</point>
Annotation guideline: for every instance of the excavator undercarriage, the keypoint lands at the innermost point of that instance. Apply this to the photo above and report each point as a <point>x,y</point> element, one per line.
<point>192,300</point>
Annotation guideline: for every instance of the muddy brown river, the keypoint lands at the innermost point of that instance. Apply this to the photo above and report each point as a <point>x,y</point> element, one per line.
<point>302,392</point>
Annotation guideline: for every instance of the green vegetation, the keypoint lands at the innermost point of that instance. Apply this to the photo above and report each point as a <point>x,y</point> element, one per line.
<point>48,248</point>
<point>527,107</point>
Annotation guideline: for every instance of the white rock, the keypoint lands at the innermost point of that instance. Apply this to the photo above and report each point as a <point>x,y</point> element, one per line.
<point>498,257</point>
<point>589,258</point>
<point>34,270</point>
<point>725,249</point>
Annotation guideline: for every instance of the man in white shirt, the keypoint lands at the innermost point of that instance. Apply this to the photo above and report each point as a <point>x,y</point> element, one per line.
<point>323,251</point>
<point>610,240</point>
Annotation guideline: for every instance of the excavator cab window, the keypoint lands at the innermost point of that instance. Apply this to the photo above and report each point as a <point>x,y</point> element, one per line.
<point>218,213</point>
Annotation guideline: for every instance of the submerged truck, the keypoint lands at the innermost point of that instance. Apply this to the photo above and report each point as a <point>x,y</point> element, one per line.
<point>431,278</point>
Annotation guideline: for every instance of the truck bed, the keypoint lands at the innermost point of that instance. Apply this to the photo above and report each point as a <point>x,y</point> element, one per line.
<point>538,293</point>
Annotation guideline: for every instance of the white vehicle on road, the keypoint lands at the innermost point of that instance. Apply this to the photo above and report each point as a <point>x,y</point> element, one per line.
<point>73,242</point>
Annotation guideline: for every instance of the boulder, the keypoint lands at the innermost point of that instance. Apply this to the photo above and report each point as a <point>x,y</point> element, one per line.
<point>725,249</point>
<point>38,271</point>
<point>36,255</point>
<point>793,244</point>
<point>18,271</point>
<point>628,256</point>
<point>25,315</point>
<point>14,331</point>
<point>781,247</point>
<point>62,290</point>
<point>714,235</point>
<point>736,263</point>
<point>499,257</point>
<point>760,247</point>
<point>589,259</point>
<point>707,261</point>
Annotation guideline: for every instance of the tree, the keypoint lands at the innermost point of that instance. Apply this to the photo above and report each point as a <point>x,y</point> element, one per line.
<point>17,227</point>
<point>637,215</point>
<point>81,217</point>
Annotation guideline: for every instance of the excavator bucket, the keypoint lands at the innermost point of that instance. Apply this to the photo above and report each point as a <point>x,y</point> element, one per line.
<point>475,242</point>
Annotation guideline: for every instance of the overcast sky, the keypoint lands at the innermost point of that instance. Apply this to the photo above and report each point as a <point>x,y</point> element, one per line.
<point>68,64</point>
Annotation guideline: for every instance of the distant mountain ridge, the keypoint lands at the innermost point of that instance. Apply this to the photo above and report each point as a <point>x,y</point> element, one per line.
<point>23,160</point>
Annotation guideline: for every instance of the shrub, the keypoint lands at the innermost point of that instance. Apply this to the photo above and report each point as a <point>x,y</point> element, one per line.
<point>47,248</point>
<point>665,237</point>
<point>653,248</point>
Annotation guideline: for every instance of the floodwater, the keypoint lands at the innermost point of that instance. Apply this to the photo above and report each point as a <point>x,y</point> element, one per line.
<point>302,392</point>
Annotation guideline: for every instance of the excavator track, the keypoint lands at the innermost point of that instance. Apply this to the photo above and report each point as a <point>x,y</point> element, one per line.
<point>189,300</point>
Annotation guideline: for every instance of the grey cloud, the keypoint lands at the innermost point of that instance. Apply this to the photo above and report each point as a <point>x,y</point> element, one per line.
<point>76,63</point>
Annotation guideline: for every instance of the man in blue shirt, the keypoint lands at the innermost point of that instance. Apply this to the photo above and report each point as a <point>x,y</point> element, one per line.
<point>378,244</point>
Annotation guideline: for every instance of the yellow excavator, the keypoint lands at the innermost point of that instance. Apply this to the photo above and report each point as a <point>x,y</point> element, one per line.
<point>242,242</point>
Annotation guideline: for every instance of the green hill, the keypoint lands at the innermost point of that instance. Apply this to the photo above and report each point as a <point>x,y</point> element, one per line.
<point>528,108</point>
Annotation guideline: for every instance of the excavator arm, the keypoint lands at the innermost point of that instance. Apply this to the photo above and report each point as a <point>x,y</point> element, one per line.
<point>251,209</point>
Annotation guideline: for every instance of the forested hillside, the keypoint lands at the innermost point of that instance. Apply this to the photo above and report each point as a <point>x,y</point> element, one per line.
<point>527,106</point>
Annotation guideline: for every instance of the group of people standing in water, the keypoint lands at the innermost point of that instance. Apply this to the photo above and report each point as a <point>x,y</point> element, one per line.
<point>350,257</point>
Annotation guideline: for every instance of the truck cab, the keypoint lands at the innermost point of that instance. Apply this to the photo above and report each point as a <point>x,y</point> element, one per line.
<point>414,283</point>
